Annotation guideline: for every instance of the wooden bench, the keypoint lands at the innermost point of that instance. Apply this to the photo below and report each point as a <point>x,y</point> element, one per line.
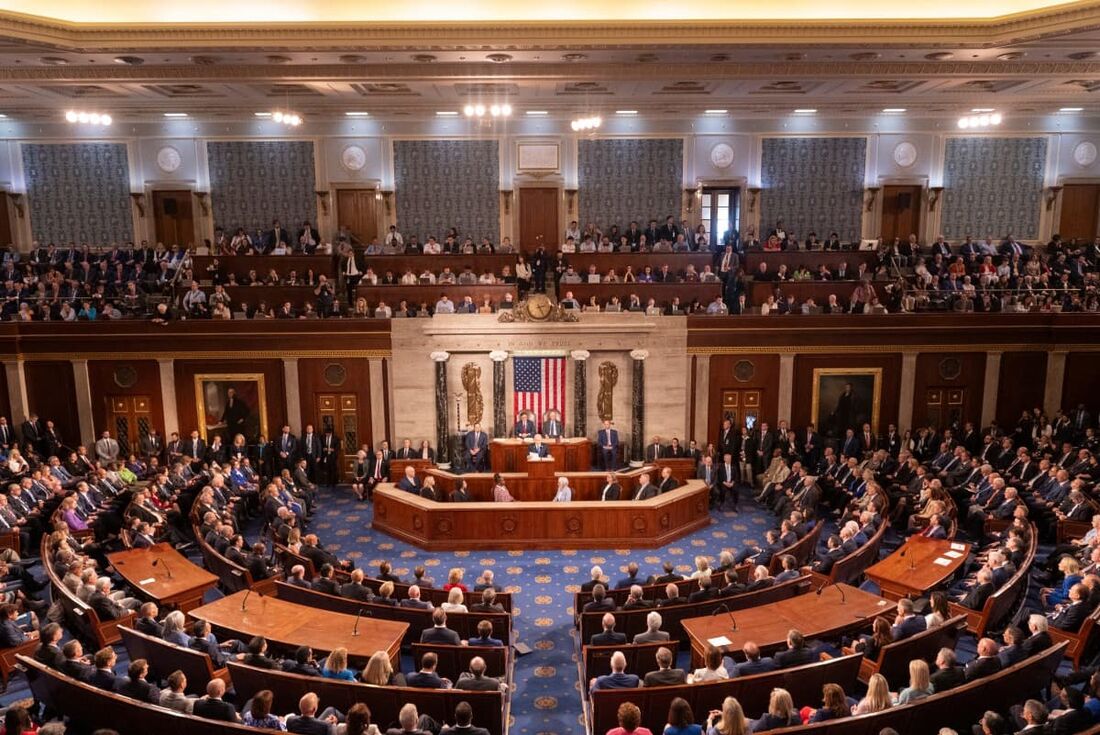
<point>802,550</point>
<point>434,595</point>
<point>1000,603</point>
<point>384,702</point>
<point>454,660</point>
<point>661,293</point>
<point>82,619</point>
<point>8,662</point>
<point>959,708</point>
<point>465,624</point>
<point>89,708</point>
<point>848,569</point>
<point>165,657</point>
<point>632,622</point>
<point>233,577</point>
<point>1081,641</point>
<point>641,658</point>
<point>620,595</point>
<point>893,660</point>
<point>803,682</point>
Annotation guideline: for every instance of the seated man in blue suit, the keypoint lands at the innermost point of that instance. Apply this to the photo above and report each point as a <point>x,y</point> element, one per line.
<point>753,664</point>
<point>907,622</point>
<point>409,483</point>
<point>477,445</point>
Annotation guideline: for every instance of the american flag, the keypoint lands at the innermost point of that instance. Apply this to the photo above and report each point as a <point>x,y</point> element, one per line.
<point>539,386</point>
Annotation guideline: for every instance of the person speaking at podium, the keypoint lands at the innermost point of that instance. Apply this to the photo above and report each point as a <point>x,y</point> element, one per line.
<point>564,493</point>
<point>538,449</point>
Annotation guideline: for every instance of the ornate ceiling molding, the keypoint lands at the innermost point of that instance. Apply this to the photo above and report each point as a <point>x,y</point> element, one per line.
<point>1017,28</point>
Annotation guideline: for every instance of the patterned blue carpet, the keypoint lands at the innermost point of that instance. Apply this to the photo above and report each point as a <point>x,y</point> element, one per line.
<point>546,700</point>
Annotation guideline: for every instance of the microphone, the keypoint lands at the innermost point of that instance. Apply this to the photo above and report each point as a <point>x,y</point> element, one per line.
<point>249,592</point>
<point>833,584</point>
<point>167,569</point>
<point>355,628</point>
<point>720,608</point>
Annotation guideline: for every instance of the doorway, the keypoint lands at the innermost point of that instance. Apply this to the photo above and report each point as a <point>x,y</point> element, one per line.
<point>357,210</point>
<point>900,212</point>
<point>1080,216</point>
<point>129,418</point>
<point>173,222</point>
<point>339,412</point>
<point>719,213</point>
<point>538,218</point>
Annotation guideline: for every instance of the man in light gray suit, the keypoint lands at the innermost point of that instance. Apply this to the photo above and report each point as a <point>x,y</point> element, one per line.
<point>653,632</point>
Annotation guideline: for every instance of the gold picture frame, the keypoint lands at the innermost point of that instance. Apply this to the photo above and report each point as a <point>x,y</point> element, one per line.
<point>211,390</point>
<point>862,407</point>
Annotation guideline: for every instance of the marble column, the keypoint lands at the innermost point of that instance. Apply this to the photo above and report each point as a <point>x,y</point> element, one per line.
<point>168,397</point>
<point>702,399</point>
<point>990,387</point>
<point>442,437</point>
<point>378,405</point>
<point>17,391</point>
<point>1056,376</point>
<point>908,390</point>
<point>500,418</point>
<point>637,405</point>
<point>580,391</point>
<point>293,396</point>
<point>82,383</point>
<point>786,387</point>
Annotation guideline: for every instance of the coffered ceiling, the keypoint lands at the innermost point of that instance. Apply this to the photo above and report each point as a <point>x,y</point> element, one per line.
<point>1022,56</point>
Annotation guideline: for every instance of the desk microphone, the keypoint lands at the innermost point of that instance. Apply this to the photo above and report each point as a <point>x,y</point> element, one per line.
<point>840,589</point>
<point>912,564</point>
<point>249,592</point>
<point>355,628</point>
<point>720,608</point>
<point>168,570</point>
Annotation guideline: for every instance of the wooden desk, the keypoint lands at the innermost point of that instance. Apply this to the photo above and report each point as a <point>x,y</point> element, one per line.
<point>812,259</point>
<point>526,487</point>
<point>816,616</point>
<point>911,570</point>
<point>183,589</point>
<point>661,293</point>
<point>288,626</point>
<point>573,454</point>
<point>541,525</point>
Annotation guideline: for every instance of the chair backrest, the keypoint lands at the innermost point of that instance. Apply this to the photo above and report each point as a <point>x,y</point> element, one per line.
<point>801,550</point>
<point>384,702</point>
<point>849,568</point>
<point>465,624</point>
<point>893,659</point>
<point>165,657</point>
<point>649,592</point>
<point>641,658</point>
<point>803,682</point>
<point>454,660</point>
<point>998,605</point>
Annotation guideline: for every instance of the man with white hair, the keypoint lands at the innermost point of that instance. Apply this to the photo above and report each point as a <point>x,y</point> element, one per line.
<point>595,577</point>
<point>413,600</point>
<point>1039,640</point>
<point>298,577</point>
<point>653,632</point>
<point>618,678</point>
<point>412,722</point>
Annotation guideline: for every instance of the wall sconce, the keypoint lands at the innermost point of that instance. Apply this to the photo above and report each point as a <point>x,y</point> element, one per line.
<point>1052,196</point>
<point>139,201</point>
<point>17,202</point>
<point>204,202</point>
<point>934,194</point>
<point>754,193</point>
<point>322,197</point>
<point>570,200</point>
<point>872,192</point>
<point>387,199</point>
<point>506,195</point>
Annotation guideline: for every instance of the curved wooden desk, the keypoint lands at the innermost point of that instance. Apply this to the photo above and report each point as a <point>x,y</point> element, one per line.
<point>541,525</point>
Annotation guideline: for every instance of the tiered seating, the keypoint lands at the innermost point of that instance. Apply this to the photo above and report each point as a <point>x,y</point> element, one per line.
<point>849,568</point>
<point>165,657</point>
<point>233,577</point>
<point>454,660</point>
<point>640,658</point>
<point>893,660</point>
<point>80,616</point>
<point>1001,602</point>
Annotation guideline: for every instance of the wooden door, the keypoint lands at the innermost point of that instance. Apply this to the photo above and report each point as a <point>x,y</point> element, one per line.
<point>943,406</point>
<point>357,209</point>
<point>741,407</point>
<point>129,418</point>
<point>538,218</point>
<point>172,218</point>
<point>340,412</point>
<point>900,212</point>
<point>1080,212</point>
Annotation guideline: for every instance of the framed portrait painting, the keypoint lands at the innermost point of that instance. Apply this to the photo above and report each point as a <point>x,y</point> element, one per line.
<point>846,398</point>
<point>231,403</point>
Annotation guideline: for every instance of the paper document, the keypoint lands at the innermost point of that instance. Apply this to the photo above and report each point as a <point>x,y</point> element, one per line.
<point>943,562</point>
<point>952,554</point>
<point>958,547</point>
<point>148,580</point>
<point>719,641</point>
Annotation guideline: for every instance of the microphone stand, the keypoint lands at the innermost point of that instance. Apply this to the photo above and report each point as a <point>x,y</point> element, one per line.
<point>167,569</point>
<point>245,600</point>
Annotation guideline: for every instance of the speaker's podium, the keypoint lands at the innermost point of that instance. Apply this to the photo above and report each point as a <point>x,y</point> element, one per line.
<point>541,468</point>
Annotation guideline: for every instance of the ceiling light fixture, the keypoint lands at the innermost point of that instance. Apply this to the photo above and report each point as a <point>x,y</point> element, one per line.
<point>1071,109</point>
<point>972,122</point>
<point>715,112</point>
<point>175,114</point>
<point>288,118</point>
<point>446,113</point>
<point>626,112</point>
<point>982,109</point>
<point>537,113</point>
<point>893,110</point>
<point>495,110</point>
<point>586,123</point>
<point>88,118</point>
<point>263,114</point>
<point>357,114</point>
<point>805,110</point>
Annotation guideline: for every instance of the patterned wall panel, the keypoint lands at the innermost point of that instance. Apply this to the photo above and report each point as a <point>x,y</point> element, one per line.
<point>630,179</point>
<point>813,184</point>
<point>252,183</point>
<point>993,186</point>
<point>447,183</point>
<point>78,192</point>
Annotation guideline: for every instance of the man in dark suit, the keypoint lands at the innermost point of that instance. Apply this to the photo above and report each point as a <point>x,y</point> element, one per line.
<point>151,444</point>
<point>1039,640</point>
<point>475,679</point>
<point>134,685</point>
<point>439,632</point>
<point>426,678</point>
<point>665,675</point>
<point>477,444</point>
<point>646,489</point>
<point>33,432</point>
<point>538,448</point>
<point>354,589</point>
<point>552,427</point>
<point>413,600</point>
<point>824,562</point>
<point>948,674</point>
<point>147,621</point>
<point>76,664</point>
<point>286,445</point>
<point>195,447</point>
<point>100,601</point>
<point>326,582</point>
<point>796,654</point>
<point>668,230</point>
<point>672,596</point>
<point>7,436</point>
<point>309,449</point>
<point>728,476</point>
<point>212,706</point>
<point>609,636</point>
<point>608,439</point>
<point>907,622</point>
<point>668,482</point>
<point>525,427</point>
<point>275,237</point>
<point>986,663</point>
<point>409,483</point>
<point>654,450</point>
<point>104,676</point>
<point>708,473</point>
<point>975,598</point>
<point>753,664</point>
<point>1070,616</point>
<point>600,602</point>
